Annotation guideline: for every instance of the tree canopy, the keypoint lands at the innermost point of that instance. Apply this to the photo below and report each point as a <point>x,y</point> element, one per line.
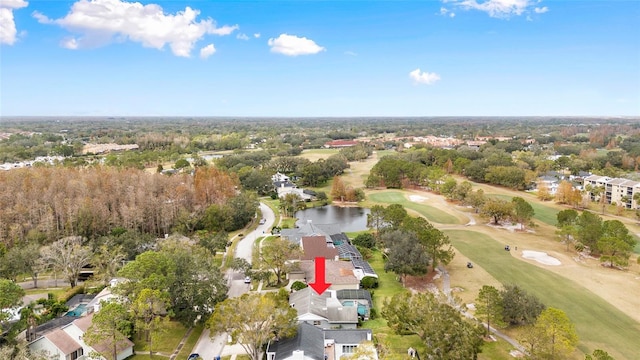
<point>445,333</point>
<point>255,319</point>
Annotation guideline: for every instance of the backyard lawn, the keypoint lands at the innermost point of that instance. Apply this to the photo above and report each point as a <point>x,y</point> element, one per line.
<point>165,345</point>
<point>599,324</point>
<point>397,345</point>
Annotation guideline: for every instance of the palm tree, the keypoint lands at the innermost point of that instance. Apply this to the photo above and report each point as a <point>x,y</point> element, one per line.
<point>636,199</point>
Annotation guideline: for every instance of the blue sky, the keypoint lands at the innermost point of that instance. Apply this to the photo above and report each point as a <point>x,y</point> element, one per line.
<point>320,58</point>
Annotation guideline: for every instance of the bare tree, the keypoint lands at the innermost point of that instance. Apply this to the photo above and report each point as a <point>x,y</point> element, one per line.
<point>67,256</point>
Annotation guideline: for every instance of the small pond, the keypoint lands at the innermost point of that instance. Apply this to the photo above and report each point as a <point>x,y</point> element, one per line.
<point>350,219</point>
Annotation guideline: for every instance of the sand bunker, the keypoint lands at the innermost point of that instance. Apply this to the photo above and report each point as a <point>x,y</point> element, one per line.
<point>417,198</point>
<point>540,257</point>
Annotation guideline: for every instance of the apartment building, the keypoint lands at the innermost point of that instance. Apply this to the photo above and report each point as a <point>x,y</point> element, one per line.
<point>616,190</point>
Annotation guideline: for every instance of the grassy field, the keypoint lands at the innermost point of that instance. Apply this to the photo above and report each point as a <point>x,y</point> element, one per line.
<point>543,213</point>
<point>170,338</point>
<point>599,324</point>
<point>397,345</point>
<point>429,212</point>
<point>317,154</point>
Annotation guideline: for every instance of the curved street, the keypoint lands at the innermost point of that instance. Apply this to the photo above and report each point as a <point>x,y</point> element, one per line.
<point>208,347</point>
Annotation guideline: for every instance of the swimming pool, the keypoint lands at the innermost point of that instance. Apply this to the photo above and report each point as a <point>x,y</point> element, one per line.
<point>362,309</point>
<point>78,311</point>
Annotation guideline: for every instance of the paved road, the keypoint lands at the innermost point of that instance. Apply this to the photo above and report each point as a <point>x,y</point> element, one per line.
<point>207,347</point>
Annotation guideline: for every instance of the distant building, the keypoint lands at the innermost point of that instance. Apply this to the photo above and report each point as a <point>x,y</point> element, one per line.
<point>337,144</point>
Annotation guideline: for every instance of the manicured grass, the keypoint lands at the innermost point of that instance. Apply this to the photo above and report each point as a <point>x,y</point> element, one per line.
<point>168,342</point>
<point>288,223</point>
<point>397,345</point>
<point>315,154</point>
<point>429,212</point>
<point>57,292</point>
<point>492,350</point>
<point>191,342</point>
<point>599,324</point>
<point>543,213</point>
<point>389,284</point>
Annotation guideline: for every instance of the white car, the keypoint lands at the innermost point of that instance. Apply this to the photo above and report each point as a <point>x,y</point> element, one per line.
<point>247,280</point>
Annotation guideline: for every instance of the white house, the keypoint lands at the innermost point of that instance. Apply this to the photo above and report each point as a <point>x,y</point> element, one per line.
<point>312,343</point>
<point>66,343</point>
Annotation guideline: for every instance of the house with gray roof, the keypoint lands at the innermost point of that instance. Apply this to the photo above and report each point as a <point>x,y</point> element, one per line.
<point>66,342</point>
<point>324,311</point>
<point>312,343</point>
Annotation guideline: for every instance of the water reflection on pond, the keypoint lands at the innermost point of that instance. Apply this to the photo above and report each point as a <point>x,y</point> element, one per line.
<point>348,218</point>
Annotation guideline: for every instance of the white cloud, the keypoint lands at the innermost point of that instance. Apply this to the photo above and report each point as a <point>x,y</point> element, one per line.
<point>292,45</point>
<point>256,35</point>
<point>70,43</point>
<point>499,8</point>
<point>102,21</point>
<point>8,31</point>
<point>207,51</point>
<point>446,12</point>
<point>242,37</point>
<point>423,77</point>
<point>350,53</point>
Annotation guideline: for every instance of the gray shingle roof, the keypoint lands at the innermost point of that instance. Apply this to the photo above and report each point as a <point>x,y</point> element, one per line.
<point>308,338</point>
<point>344,336</point>
<point>307,301</point>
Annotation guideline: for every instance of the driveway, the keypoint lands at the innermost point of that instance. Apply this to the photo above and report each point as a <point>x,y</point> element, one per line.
<point>207,347</point>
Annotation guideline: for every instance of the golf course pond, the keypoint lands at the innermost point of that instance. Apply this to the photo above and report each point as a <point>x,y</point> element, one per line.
<point>349,219</point>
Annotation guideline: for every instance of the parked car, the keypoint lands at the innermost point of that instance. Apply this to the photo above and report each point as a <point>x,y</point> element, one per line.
<point>247,280</point>
<point>262,221</point>
<point>193,356</point>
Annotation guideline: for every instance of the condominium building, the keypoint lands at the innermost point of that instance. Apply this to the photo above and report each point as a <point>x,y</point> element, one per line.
<point>616,190</point>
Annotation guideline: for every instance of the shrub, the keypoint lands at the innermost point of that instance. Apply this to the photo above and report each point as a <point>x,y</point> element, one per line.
<point>369,282</point>
<point>71,293</point>
<point>365,240</point>
<point>298,285</point>
<point>373,314</point>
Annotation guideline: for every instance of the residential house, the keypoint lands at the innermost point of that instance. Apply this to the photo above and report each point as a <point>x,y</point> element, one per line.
<point>278,177</point>
<point>66,342</point>
<point>312,343</point>
<point>308,229</point>
<point>324,311</point>
<point>317,246</point>
<point>301,193</point>
<point>337,240</point>
<point>340,274</point>
<point>550,182</point>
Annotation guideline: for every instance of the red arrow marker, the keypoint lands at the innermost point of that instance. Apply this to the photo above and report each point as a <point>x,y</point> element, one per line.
<point>320,284</point>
